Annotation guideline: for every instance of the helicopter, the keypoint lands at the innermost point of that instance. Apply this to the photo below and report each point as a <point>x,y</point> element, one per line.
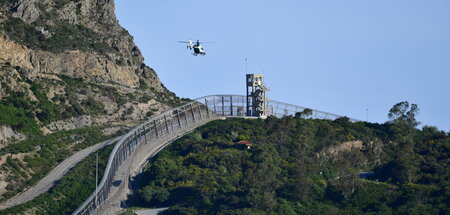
<point>197,47</point>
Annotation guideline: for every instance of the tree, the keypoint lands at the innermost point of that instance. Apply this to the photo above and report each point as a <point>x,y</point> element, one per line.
<point>152,194</point>
<point>402,112</point>
<point>347,164</point>
<point>304,114</point>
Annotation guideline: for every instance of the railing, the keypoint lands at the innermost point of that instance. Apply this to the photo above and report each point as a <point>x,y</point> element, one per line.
<point>235,106</point>
<point>168,125</point>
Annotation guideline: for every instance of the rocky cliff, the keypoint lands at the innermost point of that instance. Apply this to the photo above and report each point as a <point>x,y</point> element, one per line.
<point>64,65</point>
<point>79,59</point>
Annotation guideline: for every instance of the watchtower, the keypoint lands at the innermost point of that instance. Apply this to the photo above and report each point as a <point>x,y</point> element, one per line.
<point>256,95</point>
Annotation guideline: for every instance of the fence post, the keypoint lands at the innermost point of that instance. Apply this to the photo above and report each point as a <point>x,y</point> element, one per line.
<point>178,118</point>
<point>145,134</point>
<point>214,103</point>
<point>223,107</point>
<point>192,111</point>
<point>165,122</point>
<point>276,110</point>
<point>171,121</point>
<point>136,136</point>
<point>207,109</point>
<point>199,110</point>
<point>286,112</point>
<point>231,105</point>
<point>185,117</point>
<point>156,129</point>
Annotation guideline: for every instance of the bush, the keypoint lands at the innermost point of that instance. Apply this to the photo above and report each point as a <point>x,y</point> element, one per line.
<point>152,194</point>
<point>290,170</point>
<point>19,120</point>
<point>64,36</point>
<point>93,106</point>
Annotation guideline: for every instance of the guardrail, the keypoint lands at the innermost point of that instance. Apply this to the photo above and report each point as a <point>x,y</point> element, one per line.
<point>173,122</point>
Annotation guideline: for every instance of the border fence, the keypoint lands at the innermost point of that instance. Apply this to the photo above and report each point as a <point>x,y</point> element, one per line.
<point>157,131</point>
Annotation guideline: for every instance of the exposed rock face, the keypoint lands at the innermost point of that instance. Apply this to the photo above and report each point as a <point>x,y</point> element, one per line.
<point>54,44</point>
<point>6,133</point>
<point>65,65</point>
<point>14,53</point>
<point>346,146</point>
<point>26,10</point>
<point>72,123</point>
<point>122,63</point>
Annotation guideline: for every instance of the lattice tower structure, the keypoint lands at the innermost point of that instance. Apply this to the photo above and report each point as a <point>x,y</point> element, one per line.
<point>257,101</point>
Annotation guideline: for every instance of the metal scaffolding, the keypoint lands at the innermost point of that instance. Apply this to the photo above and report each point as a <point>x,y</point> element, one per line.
<point>256,96</point>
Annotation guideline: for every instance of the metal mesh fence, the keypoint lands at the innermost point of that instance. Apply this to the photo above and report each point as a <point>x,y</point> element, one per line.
<point>174,122</point>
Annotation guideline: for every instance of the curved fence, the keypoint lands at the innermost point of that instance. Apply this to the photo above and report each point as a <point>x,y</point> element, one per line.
<point>235,106</point>
<point>169,125</point>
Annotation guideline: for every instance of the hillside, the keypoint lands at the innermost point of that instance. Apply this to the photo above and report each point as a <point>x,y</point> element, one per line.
<point>70,76</point>
<point>300,166</point>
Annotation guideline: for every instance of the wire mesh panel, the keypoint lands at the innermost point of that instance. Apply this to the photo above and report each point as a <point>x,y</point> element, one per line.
<point>280,109</point>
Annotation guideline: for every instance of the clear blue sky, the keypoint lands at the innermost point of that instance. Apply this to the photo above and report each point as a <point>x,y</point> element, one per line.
<point>341,56</point>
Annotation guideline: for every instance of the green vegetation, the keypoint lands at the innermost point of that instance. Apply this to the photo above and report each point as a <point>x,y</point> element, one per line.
<point>61,3</point>
<point>16,110</point>
<point>404,114</point>
<point>47,110</point>
<point>291,168</point>
<point>19,119</point>
<point>145,98</point>
<point>167,97</point>
<point>76,86</point>
<point>93,107</point>
<point>142,84</point>
<point>60,35</point>
<point>26,116</point>
<point>112,93</point>
<point>70,192</point>
<point>43,153</point>
<point>64,36</point>
<point>304,114</point>
<point>2,2</point>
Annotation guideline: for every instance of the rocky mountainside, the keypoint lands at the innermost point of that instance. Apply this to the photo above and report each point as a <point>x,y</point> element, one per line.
<point>64,65</point>
<point>73,65</point>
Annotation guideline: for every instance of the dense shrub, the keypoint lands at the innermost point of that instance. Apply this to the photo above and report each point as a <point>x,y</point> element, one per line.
<point>19,119</point>
<point>64,36</point>
<point>289,170</point>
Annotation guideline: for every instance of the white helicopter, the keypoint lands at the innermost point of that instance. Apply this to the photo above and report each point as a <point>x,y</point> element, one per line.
<point>197,47</point>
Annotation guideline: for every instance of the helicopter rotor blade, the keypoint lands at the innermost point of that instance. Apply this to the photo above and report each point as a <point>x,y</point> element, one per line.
<point>183,42</point>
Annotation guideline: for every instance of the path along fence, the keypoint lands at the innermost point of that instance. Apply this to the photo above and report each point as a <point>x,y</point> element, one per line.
<point>156,132</point>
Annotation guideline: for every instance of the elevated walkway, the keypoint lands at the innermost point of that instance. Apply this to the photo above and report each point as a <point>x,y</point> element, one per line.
<point>148,138</point>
